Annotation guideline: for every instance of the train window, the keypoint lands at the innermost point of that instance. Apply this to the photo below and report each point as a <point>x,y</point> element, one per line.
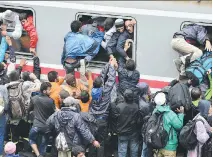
<point>22,44</point>
<point>101,58</point>
<point>208,27</point>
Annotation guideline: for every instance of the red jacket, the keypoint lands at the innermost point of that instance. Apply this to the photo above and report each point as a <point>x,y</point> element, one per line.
<point>31,30</point>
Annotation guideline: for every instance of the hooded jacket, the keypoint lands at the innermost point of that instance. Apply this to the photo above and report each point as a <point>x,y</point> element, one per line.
<point>67,120</point>
<point>171,121</point>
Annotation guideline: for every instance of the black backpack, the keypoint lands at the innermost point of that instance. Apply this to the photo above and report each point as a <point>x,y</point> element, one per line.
<point>179,95</point>
<point>187,137</point>
<point>156,136</point>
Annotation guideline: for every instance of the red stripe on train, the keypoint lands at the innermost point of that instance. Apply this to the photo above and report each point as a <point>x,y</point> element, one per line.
<point>45,70</point>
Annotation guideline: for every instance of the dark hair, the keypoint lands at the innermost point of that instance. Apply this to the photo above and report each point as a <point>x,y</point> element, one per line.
<point>128,96</point>
<point>45,86</point>
<point>108,23</point>
<point>97,82</point>
<point>22,16</point>
<point>75,26</point>
<point>130,65</point>
<point>77,150</point>
<point>70,79</point>
<point>52,76</point>
<point>64,94</point>
<point>196,93</point>
<point>26,76</point>
<point>84,96</point>
<point>14,76</point>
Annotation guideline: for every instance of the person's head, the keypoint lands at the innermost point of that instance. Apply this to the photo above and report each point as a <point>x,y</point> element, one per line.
<point>3,27</point>
<point>23,17</point>
<point>160,99</point>
<point>63,94</point>
<point>119,24</point>
<point>76,26</point>
<point>9,17</point>
<point>144,90</point>
<point>78,151</point>
<point>84,96</point>
<point>26,76</point>
<point>45,88</point>
<point>98,83</point>
<point>205,108</point>
<point>130,65</point>
<point>128,96</point>
<point>196,93</point>
<point>70,80</point>
<point>10,148</point>
<point>71,102</point>
<point>14,76</point>
<point>52,76</point>
<point>129,26</point>
<point>108,23</point>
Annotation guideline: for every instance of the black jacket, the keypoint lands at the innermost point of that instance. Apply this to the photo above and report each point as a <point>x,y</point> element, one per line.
<point>126,118</point>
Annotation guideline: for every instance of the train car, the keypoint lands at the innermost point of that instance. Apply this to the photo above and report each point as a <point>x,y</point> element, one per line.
<point>156,23</point>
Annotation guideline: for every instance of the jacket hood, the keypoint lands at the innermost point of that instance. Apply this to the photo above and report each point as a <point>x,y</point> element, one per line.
<point>203,107</point>
<point>96,93</point>
<point>164,108</point>
<point>144,88</point>
<point>64,115</point>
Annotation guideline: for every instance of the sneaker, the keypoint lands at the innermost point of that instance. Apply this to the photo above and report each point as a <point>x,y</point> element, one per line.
<point>82,68</point>
<point>178,64</point>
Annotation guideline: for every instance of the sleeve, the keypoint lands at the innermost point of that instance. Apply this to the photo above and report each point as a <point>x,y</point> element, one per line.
<point>111,43</point>
<point>104,72</point>
<point>31,106</point>
<point>61,81</point>
<point>3,48</point>
<point>176,120</point>
<point>1,16</point>
<point>202,35</point>
<point>16,34</point>
<point>120,45</point>
<point>36,86</point>
<point>19,69</point>
<point>83,129</point>
<point>103,44</point>
<point>202,135</point>
<point>6,99</point>
<point>33,37</point>
<point>50,122</point>
<point>63,53</point>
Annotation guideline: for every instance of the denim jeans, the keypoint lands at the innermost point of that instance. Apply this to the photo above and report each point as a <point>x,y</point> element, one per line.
<point>123,142</point>
<point>2,132</point>
<point>34,135</point>
<point>144,150</point>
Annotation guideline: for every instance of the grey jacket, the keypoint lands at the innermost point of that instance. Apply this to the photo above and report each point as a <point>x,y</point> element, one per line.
<point>195,32</point>
<point>101,107</point>
<point>67,120</point>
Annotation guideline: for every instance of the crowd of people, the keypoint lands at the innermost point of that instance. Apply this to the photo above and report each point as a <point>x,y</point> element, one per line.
<point>104,116</point>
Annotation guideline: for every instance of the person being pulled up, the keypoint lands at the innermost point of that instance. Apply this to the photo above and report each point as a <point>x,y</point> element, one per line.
<point>76,46</point>
<point>183,41</point>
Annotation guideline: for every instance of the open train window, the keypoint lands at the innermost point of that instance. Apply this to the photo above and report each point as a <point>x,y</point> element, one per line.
<point>101,58</point>
<point>22,44</point>
<point>208,27</point>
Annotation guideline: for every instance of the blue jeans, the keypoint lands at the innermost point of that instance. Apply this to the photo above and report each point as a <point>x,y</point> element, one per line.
<point>144,150</point>
<point>2,132</point>
<point>123,142</point>
<point>34,135</point>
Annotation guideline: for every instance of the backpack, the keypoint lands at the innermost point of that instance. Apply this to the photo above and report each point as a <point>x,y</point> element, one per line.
<point>199,67</point>
<point>156,136</point>
<point>16,100</point>
<point>2,104</point>
<point>179,95</point>
<point>187,137</point>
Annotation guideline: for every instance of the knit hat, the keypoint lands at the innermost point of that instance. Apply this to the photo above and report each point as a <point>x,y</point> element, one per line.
<point>119,23</point>
<point>160,99</point>
<point>10,148</point>
<point>9,15</point>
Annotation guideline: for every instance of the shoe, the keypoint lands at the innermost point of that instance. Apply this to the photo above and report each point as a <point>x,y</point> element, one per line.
<point>82,68</point>
<point>178,64</point>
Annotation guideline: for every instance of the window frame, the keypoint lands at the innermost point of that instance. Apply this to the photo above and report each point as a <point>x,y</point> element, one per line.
<point>192,22</point>
<point>134,47</point>
<point>21,54</point>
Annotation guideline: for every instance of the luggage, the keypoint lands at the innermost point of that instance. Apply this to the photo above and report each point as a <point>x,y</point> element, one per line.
<point>197,70</point>
<point>156,136</point>
<point>16,101</point>
<point>179,95</point>
<point>187,137</point>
